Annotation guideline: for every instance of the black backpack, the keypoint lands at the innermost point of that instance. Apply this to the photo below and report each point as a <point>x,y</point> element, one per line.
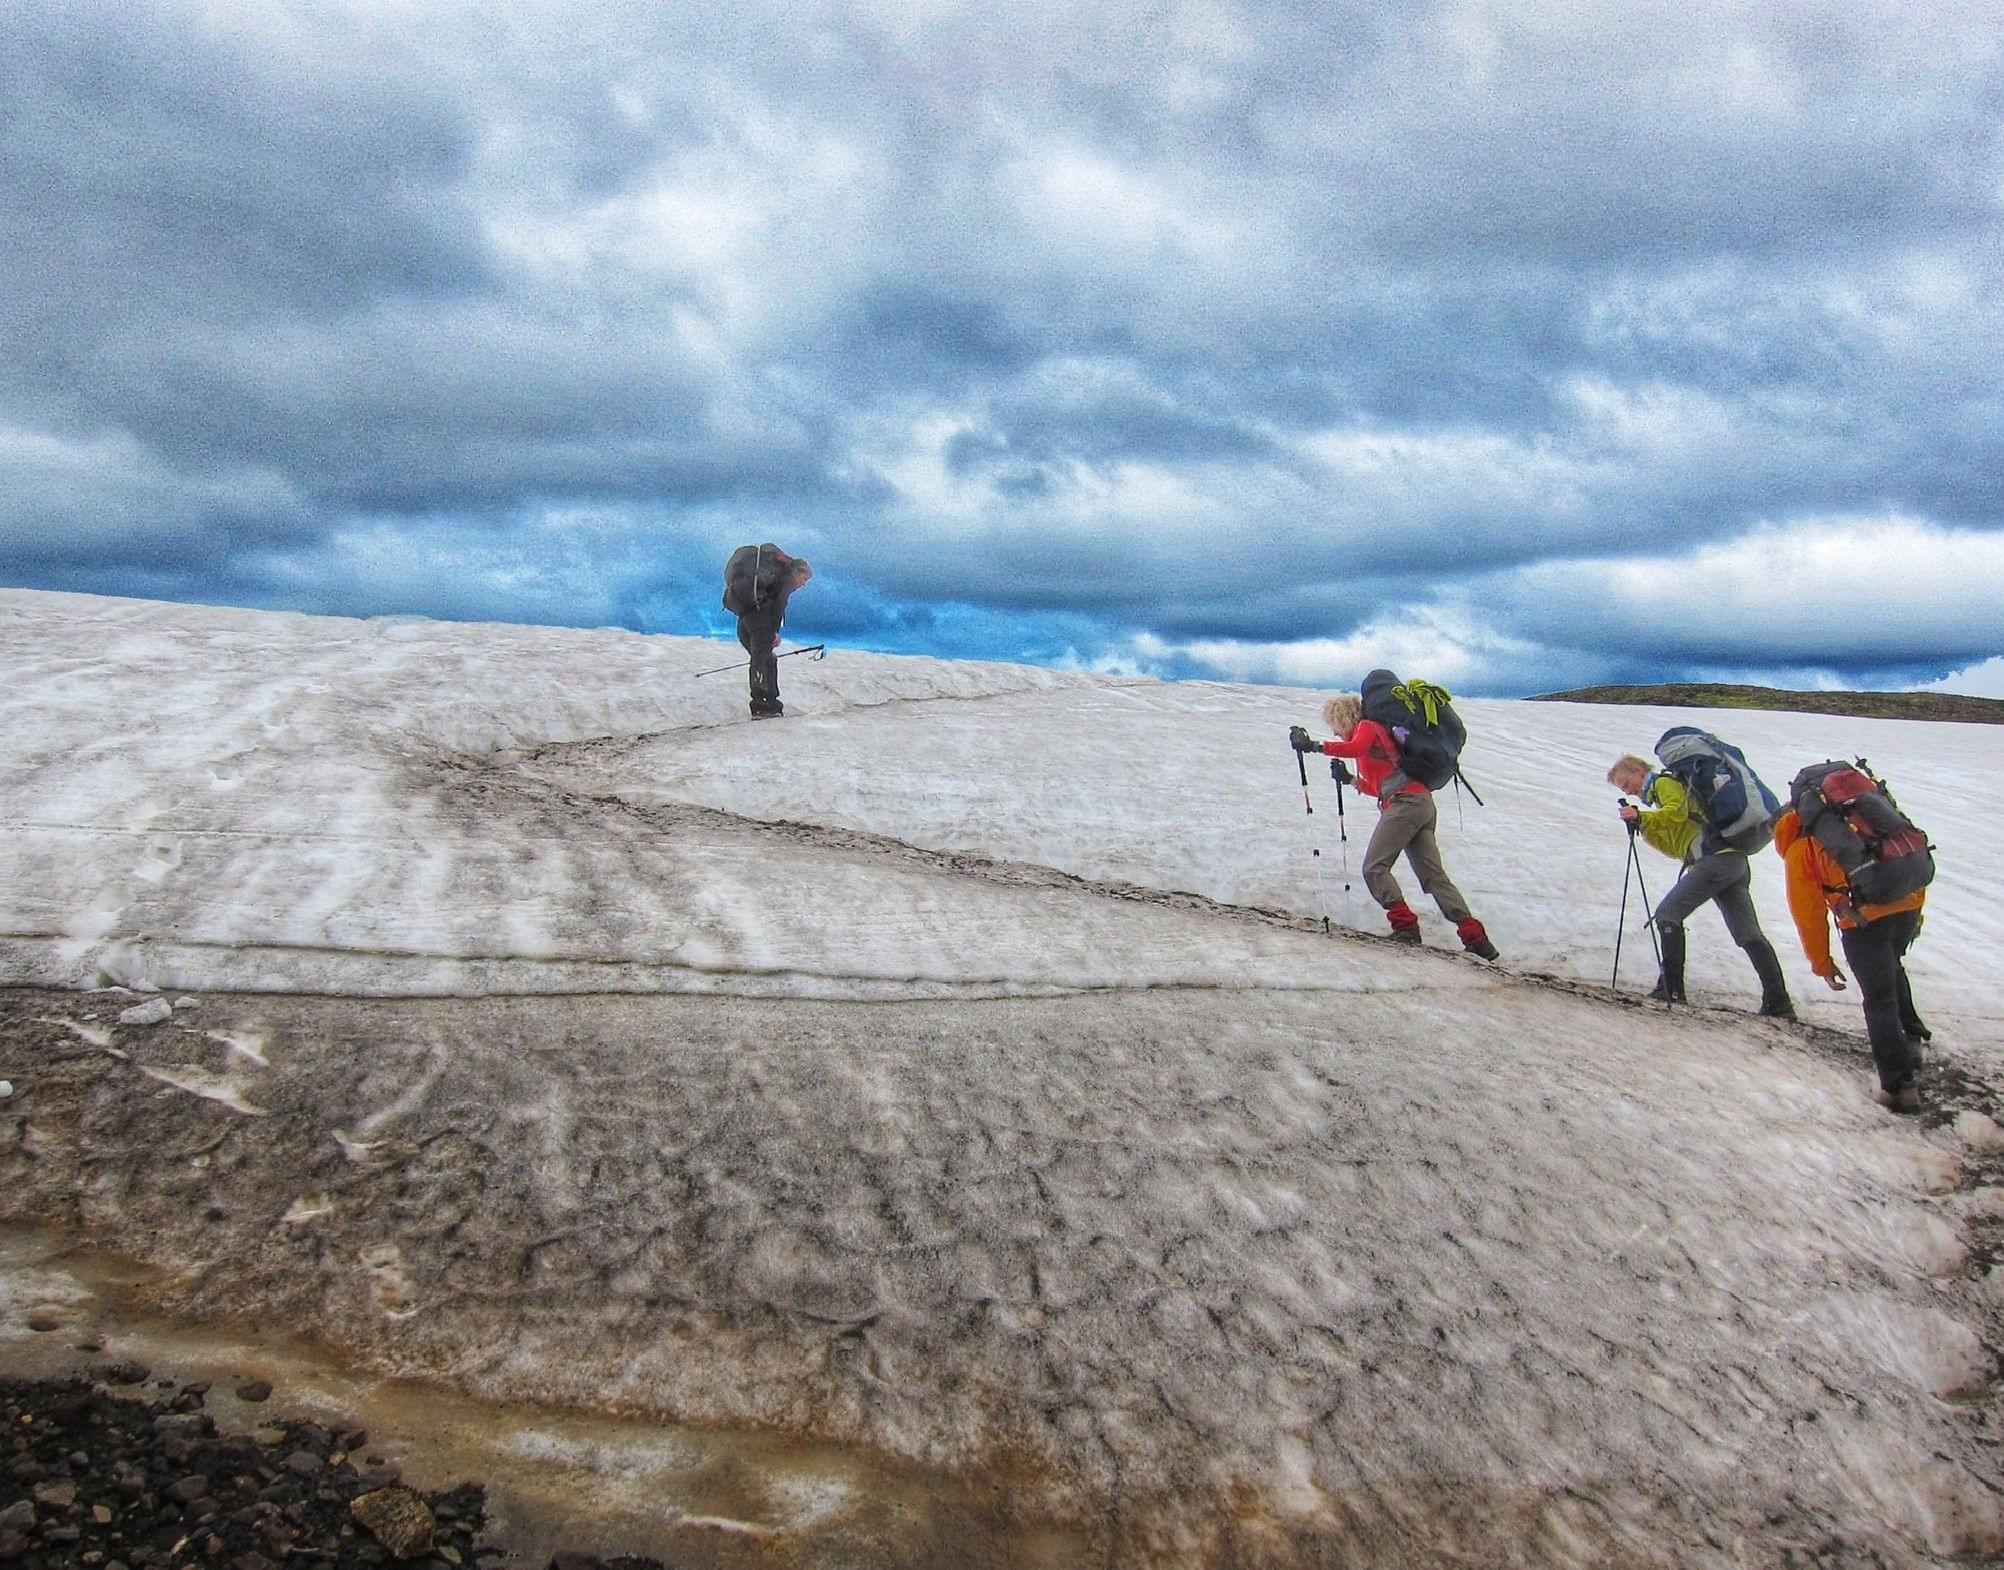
<point>1431,749</point>
<point>1847,809</point>
<point>752,578</point>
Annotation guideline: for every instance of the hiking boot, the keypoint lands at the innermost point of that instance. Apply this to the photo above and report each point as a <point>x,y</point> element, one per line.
<point>1476,940</point>
<point>1405,925</point>
<point>1406,935</point>
<point>1670,985</point>
<point>1904,1100</point>
<point>1774,999</point>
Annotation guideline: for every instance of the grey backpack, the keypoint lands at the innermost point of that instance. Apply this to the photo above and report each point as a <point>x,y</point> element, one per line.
<point>1729,796</point>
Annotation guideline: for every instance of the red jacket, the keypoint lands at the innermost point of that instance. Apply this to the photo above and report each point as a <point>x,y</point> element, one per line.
<point>1371,748</point>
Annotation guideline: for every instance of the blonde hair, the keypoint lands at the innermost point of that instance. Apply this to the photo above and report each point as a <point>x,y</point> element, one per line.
<point>1628,763</point>
<point>1342,712</point>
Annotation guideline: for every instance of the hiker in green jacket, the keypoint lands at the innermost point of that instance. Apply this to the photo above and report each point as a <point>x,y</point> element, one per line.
<point>1664,819</point>
<point>1672,823</point>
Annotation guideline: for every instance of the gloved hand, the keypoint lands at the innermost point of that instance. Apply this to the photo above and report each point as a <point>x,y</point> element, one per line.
<point>1301,741</point>
<point>1836,979</point>
<point>1339,771</point>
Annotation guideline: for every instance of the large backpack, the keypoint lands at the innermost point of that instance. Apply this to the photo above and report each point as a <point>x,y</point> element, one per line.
<point>1851,814</point>
<point>1730,797</point>
<point>752,577</point>
<point>1430,750</point>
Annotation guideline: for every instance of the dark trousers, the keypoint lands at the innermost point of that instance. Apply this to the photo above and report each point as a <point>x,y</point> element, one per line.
<point>1877,954</point>
<point>758,632</point>
<point>1724,878</point>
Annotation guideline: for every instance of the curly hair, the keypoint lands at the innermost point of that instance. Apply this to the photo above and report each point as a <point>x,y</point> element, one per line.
<point>1342,712</point>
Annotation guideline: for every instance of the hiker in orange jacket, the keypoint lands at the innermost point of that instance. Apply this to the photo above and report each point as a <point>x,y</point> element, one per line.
<point>1876,939</point>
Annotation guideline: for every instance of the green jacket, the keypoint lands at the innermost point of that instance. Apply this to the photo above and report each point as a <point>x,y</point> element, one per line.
<point>1667,821</point>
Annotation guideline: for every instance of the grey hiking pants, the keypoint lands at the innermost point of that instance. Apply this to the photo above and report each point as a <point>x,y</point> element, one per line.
<point>1726,878</point>
<point>1405,826</point>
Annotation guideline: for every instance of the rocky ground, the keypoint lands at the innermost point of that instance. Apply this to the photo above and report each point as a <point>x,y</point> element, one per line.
<point>119,1473</point>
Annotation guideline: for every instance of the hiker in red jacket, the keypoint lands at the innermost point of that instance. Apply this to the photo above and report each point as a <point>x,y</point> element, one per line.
<point>1406,822</point>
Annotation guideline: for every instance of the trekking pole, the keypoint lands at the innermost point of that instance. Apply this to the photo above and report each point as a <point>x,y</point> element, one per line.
<point>818,650</point>
<point>1314,850</point>
<point>1341,776</point>
<point>1621,921</point>
<point>1642,884</point>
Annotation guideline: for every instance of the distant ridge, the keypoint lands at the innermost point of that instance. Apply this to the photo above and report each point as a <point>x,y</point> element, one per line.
<point>1860,705</point>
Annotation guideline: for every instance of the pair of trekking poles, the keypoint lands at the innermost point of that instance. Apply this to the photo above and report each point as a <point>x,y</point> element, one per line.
<point>1341,776</point>
<point>1634,875</point>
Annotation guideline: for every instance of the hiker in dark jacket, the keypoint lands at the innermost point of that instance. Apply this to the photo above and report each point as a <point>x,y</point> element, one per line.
<point>1876,939</point>
<point>1406,821</point>
<point>1672,821</point>
<point>758,581</point>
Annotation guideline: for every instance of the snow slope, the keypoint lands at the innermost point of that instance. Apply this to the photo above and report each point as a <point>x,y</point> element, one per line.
<point>994,1126</point>
<point>214,798</point>
<point>1191,787</point>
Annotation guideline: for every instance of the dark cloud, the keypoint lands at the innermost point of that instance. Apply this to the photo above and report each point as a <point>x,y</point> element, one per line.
<point>1201,337</point>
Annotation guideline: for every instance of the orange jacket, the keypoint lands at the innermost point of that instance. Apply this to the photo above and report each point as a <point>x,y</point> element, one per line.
<point>1818,890</point>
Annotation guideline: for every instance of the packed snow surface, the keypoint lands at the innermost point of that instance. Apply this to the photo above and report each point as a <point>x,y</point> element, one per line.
<point>956,1068</point>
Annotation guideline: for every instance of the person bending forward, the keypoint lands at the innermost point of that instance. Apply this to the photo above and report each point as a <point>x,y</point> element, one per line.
<point>1407,820</point>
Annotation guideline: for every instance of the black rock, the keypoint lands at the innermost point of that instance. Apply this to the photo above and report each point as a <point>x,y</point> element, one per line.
<point>187,1489</point>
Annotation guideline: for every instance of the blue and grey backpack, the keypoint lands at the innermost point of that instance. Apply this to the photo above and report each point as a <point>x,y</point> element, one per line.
<point>1737,807</point>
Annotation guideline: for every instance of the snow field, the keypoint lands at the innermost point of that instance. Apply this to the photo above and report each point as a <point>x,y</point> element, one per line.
<point>1192,787</point>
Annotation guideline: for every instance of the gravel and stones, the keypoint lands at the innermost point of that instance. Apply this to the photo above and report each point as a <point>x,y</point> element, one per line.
<point>110,1481</point>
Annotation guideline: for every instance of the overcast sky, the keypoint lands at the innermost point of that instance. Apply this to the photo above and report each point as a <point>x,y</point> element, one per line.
<point>1524,345</point>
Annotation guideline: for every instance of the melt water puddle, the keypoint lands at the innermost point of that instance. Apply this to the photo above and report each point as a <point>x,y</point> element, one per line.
<point>555,1479</point>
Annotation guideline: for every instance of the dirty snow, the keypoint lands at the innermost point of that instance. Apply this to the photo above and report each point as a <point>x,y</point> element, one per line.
<point>930,1080</point>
